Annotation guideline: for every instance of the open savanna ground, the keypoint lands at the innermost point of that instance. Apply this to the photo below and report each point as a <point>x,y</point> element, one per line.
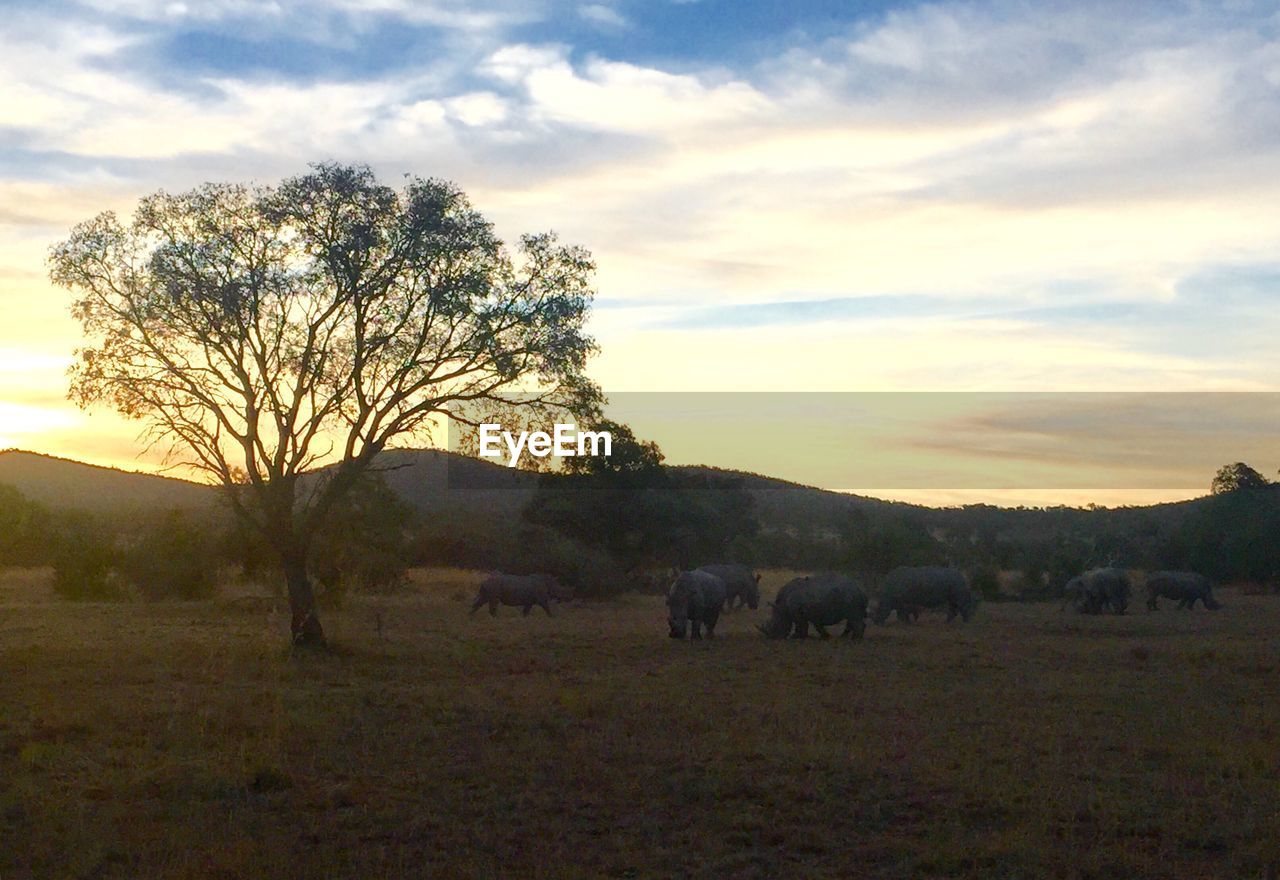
<point>182,740</point>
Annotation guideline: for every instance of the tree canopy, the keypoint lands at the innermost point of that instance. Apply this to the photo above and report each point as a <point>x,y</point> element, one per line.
<point>261,331</point>
<point>641,513</point>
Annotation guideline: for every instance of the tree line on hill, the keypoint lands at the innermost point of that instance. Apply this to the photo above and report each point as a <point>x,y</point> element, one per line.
<point>616,524</point>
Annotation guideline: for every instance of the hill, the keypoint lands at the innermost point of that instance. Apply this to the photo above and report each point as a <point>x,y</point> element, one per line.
<point>442,485</point>
<point>61,483</point>
<point>433,482</point>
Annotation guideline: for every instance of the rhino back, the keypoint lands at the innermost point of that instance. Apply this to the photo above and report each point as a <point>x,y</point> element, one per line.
<point>515,588</point>
<point>1178,583</point>
<point>710,590</point>
<point>929,586</point>
<point>1108,581</point>
<point>824,598</point>
<point>698,588</point>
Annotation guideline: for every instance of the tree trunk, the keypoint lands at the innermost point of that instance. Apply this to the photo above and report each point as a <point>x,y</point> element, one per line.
<point>305,626</point>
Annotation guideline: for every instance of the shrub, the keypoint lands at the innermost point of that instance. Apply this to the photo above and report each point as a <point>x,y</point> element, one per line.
<point>84,564</point>
<point>172,559</point>
<point>25,529</point>
<point>986,583</point>
<point>363,545</point>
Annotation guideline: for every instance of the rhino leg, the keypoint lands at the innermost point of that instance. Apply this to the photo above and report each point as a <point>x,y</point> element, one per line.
<point>802,629</point>
<point>854,628</point>
<point>822,631</point>
<point>475,606</point>
<point>546,605</point>
<point>1152,604</point>
<point>713,617</point>
<point>493,606</point>
<point>952,611</point>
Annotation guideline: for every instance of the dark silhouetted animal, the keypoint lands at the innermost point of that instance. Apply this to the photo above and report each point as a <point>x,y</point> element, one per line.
<point>1185,586</point>
<point>695,600</point>
<point>820,600</point>
<point>907,591</point>
<point>741,584</point>
<point>1099,590</point>
<point>525,590</point>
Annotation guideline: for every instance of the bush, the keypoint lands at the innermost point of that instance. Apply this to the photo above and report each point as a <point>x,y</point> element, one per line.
<point>363,545</point>
<point>588,570</point>
<point>84,565</point>
<point>25,530</point>
<point>986,583</point>
<point>172,559</point>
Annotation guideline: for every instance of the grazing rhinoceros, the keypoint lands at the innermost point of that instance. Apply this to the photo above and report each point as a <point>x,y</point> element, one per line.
<point>1185,586</point>
<point>909,590</point>
<point>1097,590</point>
<point>820,600</point>
<point>740,584</point>
<point>525,590</point>
<point>696,598</point>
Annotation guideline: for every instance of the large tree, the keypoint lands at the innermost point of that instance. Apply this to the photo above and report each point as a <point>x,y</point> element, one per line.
<point>262,332</point>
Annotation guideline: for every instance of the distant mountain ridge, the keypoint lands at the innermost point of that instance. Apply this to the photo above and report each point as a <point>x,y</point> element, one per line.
<point>62,483</point>
<point>440,483</point>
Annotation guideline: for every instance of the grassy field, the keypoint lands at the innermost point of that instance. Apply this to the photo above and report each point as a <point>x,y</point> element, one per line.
<point>182,740</point>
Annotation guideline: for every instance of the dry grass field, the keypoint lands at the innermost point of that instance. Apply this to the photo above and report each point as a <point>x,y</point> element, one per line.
<point>182,740</point>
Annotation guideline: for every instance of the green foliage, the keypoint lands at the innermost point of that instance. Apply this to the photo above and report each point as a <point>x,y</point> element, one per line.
<point>985,581</point>
<point>483,544</point>
<point>173,558</point>
<point>85,561</point>
<point>627,454</point>
<point>245,326</point>
<point>642,514</point>
<point>364,544</point>
<point>1233,536</point>
<point>1237,477</point>
<point>876,546</point>
<point>25,529</point>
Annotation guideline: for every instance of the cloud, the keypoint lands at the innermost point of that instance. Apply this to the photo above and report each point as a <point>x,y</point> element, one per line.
<point>969,195</point>
<point>463,15</point>
<point>603,16</point>
<point>477,108</point>
<point>620,98</point>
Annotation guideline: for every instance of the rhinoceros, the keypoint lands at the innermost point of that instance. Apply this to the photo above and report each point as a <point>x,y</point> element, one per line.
<point>740,584</point>
<point>820,600</point>
<point>525,590</point>
<point>1097,590</point>
<point>1185,586</point>
<point>695,599</point>
<point>909,590</point>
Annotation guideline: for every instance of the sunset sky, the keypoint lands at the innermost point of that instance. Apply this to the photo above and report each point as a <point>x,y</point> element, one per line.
<point>813,195</point>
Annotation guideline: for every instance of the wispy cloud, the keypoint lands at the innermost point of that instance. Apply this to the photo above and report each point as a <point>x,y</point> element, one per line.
<point>604,16</point>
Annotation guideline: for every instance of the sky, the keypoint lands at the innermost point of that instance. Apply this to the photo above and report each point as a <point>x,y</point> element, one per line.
<point>811,196</point>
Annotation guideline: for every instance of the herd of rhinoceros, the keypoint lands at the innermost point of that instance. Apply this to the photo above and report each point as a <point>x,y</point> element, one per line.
<point>697,598</point>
